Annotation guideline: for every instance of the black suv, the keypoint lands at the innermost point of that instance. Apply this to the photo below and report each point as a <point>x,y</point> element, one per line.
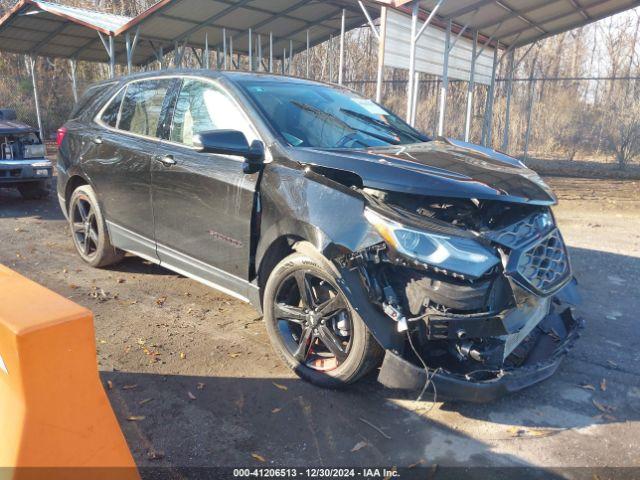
<point>362,241</point>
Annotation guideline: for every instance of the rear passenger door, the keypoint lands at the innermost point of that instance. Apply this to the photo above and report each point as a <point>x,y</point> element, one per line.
<point>203,203</point>
<point>119,163</point>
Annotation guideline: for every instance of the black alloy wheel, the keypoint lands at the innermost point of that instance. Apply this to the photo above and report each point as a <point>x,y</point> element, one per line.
<point>89,230</point>
<point>85,226</point>
<point>314,320</point>
<point>312,325</point>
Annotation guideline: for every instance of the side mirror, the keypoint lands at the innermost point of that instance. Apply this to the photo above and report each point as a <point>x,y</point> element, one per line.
<point>227,142</point>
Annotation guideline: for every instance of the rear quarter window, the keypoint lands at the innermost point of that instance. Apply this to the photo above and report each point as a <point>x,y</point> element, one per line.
<point>91,97</point>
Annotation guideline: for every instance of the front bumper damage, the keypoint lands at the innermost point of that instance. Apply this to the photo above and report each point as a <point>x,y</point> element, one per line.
<point>474,356</point>
<point>553,337</point>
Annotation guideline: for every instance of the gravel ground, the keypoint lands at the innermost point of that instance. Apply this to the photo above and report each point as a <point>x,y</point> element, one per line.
<point>197,364</point>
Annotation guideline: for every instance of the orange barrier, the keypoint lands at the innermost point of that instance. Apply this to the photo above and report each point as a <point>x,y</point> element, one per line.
<point>54,412</point>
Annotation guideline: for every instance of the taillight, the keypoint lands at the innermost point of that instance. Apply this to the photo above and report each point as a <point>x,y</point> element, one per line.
<point>62,131</point>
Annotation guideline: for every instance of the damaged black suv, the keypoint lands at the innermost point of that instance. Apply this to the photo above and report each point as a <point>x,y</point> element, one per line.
<point>363,242</point>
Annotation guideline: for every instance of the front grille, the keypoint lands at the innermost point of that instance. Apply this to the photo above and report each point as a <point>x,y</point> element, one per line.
<point>545,265</point>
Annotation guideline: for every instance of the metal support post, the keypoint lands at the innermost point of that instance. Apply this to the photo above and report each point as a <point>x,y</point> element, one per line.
<point>532,93</point>
<point>342,32</point>
<point>206,60</point>
<point>259,52</point>
<point>250,50</point>
<point>470,88</point>
<point>382,43</point>
<point>36,98</point>
<point>416,96</point>
<point>73,66</point>
<point>112,56</point>
<point>444,90</point>
<point>308,55</point>
<point>224,48</point>
<point>270,52</point>
<point>415,36</point>
<point>290,57</point>
<point>488,114</point>
<point>507,117</point>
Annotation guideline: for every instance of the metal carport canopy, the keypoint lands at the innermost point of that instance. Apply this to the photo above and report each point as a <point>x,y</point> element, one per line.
<point>515,23</point>
<point>58,31</point>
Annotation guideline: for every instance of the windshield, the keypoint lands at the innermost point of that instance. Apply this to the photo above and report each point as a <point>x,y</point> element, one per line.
<point>313,115</point>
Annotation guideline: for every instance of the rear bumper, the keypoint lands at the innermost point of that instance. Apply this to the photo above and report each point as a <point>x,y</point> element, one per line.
<point>20,171</point>
<point>560,330</point>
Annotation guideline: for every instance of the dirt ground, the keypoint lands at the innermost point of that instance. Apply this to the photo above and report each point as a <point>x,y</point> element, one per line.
<point>197,365</point>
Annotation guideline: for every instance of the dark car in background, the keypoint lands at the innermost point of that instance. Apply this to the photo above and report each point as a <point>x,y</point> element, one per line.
<point>23,162</point>
<point>363,242</point>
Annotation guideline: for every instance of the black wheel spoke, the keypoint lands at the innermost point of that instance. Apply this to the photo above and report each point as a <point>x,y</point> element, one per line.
<point>306,339</point>
<point>332,306</point>
<point>306,295</point>
<point>86,244</point>
<point>287,312</point>
<point>332,342</point>
<point>93,236</point>
<point>82,210</point>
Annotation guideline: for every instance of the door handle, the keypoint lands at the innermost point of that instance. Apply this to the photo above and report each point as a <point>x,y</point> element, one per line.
<point>167,160</point>
<point>97,140</point>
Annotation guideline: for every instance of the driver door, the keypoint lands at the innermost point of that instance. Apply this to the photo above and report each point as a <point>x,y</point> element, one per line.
<point>203,203</point>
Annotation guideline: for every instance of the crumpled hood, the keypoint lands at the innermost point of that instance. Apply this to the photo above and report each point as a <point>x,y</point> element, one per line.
<point>442,167</point>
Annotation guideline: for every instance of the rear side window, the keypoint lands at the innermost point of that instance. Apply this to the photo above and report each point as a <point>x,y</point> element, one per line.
<point>142,107</point>
<point>89,98</point>
<point>110,115</point>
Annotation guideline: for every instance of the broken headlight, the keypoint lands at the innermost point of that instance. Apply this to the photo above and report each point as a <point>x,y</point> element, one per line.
<point>455,254</point>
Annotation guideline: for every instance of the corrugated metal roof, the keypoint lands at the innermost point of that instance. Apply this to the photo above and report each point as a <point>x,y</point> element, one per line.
<point>49,29</point>
<point>521,22</point>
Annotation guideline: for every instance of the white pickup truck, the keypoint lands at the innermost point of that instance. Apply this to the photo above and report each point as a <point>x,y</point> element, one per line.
<point>23,162</point>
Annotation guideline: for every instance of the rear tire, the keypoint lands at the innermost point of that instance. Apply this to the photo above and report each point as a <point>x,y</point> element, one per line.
<point>34,190</point>
<point>89,230</point>
<point>360,351</point>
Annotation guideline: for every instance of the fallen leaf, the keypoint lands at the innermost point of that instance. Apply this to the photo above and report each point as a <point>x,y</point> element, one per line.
<point>141,341</point>
<point>200,386</point>
<point>153,455</point>
<point>191,396</point>
<point>258,457</point>
<point>588,387</point>
<point>160,301</point>
<point>145,401</point>
<point>120,280</point>
<point>103,342</point>
<point>281,387</point>
<point>129,387</point>
<point>135,418</point>
<point>276,410</point>
<point>359,446</point>
<point>234,355</point>
<point>109,384</point>
<point>602,407</point>
<point>603,385</point>
<point>183,355</point>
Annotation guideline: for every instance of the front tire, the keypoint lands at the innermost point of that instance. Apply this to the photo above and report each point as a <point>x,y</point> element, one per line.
<point>89,230</point>
<point>312,326</point>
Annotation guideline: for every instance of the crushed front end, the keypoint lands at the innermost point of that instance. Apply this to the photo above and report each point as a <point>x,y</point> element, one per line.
<point>479,293</point>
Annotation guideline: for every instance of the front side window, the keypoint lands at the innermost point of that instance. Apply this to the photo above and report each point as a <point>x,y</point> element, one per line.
<point>201,107</point>
<point>314,115</point>
<point>142,107</point>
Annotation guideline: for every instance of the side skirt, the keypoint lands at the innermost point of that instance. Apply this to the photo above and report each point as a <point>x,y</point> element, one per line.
<point>182,264</point>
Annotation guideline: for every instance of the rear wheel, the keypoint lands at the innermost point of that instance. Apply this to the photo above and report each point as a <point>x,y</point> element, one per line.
<point>312,326</point>
<point>89,231</point>
<point>34,190</point>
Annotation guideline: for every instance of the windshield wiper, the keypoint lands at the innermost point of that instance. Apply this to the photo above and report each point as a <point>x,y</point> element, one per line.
<point>329,116</point>
<point>381,124</point>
